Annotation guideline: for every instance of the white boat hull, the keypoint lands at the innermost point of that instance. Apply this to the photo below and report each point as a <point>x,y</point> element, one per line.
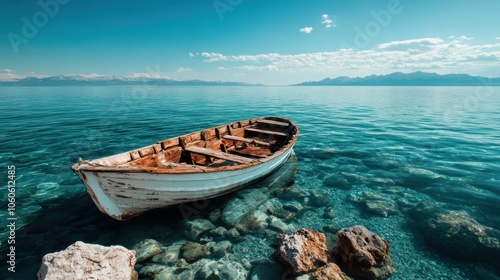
<point>123,195</point>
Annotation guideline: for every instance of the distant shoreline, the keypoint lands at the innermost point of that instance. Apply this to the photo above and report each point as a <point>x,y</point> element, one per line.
<point>394,79</point>
<point>410,79</point>
<point>226,85</point>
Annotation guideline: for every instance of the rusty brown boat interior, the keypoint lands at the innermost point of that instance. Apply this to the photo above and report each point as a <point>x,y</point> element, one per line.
<point>239,143</point>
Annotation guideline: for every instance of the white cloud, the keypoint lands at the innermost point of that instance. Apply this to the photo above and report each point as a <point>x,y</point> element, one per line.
<point>465,38</point>
<point>497,38</point>
<point>422,42</point>
<point>452,54</point>
<point>6,70</point>
<point>184,69</point>
<point>222,68</point>
<point>217,57</point>
<point>191,54</point>
<point>212,57</point>
<point>269,67</point>
<point>306,30</point>
<point>326,21</point>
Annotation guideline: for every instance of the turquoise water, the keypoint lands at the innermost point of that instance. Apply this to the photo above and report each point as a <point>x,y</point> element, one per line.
<point>393,147</point>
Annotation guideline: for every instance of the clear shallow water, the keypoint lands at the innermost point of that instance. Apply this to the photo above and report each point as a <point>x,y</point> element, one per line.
<point>407,144</point>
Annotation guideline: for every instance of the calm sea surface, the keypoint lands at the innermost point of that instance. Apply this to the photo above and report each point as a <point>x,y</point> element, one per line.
<point>381,155</point>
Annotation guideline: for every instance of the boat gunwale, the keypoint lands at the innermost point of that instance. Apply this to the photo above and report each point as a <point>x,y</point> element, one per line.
<point>177,168</point>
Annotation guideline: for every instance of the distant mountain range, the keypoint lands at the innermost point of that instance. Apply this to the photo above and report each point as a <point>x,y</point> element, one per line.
<point>102,80</point>
<point>394,79</point>
<point>410,79</point>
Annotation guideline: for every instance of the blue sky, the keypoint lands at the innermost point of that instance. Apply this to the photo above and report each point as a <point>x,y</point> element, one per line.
<point>255,41</point>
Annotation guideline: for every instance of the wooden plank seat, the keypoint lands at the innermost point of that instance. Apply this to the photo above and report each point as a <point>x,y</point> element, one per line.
<point>218,154</point>
<point>271,122</point>
<point>252,153</point>
<point>270,132</point>
<point>246,140</point>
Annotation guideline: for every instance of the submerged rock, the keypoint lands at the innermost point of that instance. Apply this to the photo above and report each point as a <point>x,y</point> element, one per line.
<point>364,253</point>
<point>232,234</point>
<point>377,204</point>
<point>194,229</point>
<point>253,197</point>
<point>253,222</point>
<point>318,199</point>
<point>293,206</point>
<point>234,211</point>
<point>246,202</point>
<point>153,270</point>
<point>302,251</point>
<point>223,270</point>
<point>186,275</point>
<point>267,270</point>
<point>457,234</point>
<point>330,271</point>
<point>280,226</point>
<point>231,270</point>
<point>169,256</point>
<point>146,249</point>
<point>284,214</point>
<point>249,200</point>
<point>382,207</point>
<point>270,206</point>
<point>192,251</point>
<point>220,249</point>
<point>337,182</point>
<point>214,216</point>
<point>218,232</point>
<point>166,274</point>
<point>329,213</point>
<point>89,261</point>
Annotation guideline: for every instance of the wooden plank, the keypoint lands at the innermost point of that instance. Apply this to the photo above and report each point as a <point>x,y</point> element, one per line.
<point>236,131</point>
<point>207,134</point>
<point>270,132</point>
<point>134,155</point>
<point>191,137</point>
<point>170,143</point>
<point>246,140</point>
<point>197,158</point>
<point>222,129</point>
<point>213,143</point>
<point>146,151</point>
<point>271,122</point>
<point>157,148</point>
<point>218,154</point>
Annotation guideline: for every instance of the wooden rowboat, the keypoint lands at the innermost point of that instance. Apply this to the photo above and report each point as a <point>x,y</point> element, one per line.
<point>192,167</point>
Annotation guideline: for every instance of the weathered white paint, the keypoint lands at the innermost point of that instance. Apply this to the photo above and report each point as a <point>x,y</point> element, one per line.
<point>123,195</point>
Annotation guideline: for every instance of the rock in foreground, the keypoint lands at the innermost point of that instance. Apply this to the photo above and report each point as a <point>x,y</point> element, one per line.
<point>89,261</point>
<point>302,251</point>
<point>364,253</point>
<point>330,271</point>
